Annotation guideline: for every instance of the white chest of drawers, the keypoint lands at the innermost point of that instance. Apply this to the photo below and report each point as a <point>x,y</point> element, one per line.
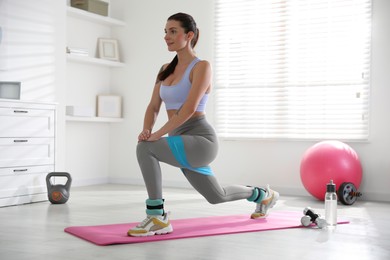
<point>27,150</point>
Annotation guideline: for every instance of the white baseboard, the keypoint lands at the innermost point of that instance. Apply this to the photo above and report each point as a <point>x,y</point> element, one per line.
<point>89,182</point>
<point>26,199</point>
<point>283,190</point>
<point>140,182</point>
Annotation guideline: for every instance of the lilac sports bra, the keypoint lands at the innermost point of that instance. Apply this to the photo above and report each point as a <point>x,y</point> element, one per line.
<point>174,96</point>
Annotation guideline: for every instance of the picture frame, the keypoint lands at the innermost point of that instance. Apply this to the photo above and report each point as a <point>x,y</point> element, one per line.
<point>109,106</point>
<point>108,49</point>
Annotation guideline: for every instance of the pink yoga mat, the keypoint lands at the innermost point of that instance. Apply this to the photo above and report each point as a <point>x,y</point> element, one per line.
<point>192,227</point>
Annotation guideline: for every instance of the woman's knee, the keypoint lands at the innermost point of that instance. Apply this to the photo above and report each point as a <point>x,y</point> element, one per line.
<point>142,149</point>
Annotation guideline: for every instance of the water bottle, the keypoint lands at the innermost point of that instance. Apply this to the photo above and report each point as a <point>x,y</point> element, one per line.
<point>331,204</point>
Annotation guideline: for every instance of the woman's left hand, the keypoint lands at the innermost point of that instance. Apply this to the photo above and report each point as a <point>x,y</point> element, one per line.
<point>153,137</point>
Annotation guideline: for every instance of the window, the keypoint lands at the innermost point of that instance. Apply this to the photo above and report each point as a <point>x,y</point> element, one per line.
<point>292,69</point>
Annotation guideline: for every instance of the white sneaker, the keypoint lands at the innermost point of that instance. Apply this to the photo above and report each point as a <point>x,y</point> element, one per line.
<point>152,225</point>
<point>268,202</point>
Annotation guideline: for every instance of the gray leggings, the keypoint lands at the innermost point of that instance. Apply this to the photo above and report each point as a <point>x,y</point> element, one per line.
<point>199,150</point>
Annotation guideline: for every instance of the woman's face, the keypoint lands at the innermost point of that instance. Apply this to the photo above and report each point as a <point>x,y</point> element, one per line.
<point>175,37</point>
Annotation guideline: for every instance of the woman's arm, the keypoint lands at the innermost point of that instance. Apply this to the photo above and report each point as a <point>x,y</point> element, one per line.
<point>201,81</point>
<point>151,112</point>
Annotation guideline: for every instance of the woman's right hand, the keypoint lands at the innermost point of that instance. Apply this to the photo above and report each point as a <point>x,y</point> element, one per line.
<point>144,135</point>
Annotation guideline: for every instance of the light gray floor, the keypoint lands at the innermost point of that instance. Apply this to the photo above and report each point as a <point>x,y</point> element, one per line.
<point>35,231</point>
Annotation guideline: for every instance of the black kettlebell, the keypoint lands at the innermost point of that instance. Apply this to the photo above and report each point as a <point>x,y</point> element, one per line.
<point>59,193</point>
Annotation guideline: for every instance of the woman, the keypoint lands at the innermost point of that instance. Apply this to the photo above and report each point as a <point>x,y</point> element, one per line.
<point>184,86</point>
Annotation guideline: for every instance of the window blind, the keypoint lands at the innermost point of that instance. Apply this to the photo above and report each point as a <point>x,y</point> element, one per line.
<point>292,69</point>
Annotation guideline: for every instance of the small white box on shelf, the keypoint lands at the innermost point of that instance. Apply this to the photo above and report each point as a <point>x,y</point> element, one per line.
<point>77,51</point>
<point>109,106</point>
<point>80,111</point>
<point>10,90</point>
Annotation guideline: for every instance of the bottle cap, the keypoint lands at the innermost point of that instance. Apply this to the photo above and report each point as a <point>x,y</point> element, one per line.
<point>331,187</point>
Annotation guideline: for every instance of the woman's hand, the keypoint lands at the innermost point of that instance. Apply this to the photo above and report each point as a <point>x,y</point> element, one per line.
<point>144,135</point>
<point>153,137</point>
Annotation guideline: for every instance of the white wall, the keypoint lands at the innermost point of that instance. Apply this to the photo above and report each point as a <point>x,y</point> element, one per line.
<point>29,50</point>
<point>239,162</point>
<point>32,52</point>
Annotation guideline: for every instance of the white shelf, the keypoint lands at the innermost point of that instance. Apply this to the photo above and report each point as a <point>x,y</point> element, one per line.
<point>94,119</point>
<point>93,61</point>
<point>95,19</point>
<point>88,16</point>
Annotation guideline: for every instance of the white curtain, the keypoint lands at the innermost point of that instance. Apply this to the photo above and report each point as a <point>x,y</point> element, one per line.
<point>292,69</point>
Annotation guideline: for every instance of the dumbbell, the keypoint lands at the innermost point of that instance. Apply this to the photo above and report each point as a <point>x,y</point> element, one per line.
<point>311,217</point>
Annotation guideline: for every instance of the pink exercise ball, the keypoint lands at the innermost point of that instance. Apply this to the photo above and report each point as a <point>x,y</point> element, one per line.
<point>329,160</point>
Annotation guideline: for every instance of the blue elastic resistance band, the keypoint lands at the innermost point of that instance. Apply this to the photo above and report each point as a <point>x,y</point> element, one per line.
<point>177,147</point>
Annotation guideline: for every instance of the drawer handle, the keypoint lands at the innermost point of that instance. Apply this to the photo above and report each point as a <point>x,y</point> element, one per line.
<point>20,141</point>
<point>20,170</point>
<point>21,111</point>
